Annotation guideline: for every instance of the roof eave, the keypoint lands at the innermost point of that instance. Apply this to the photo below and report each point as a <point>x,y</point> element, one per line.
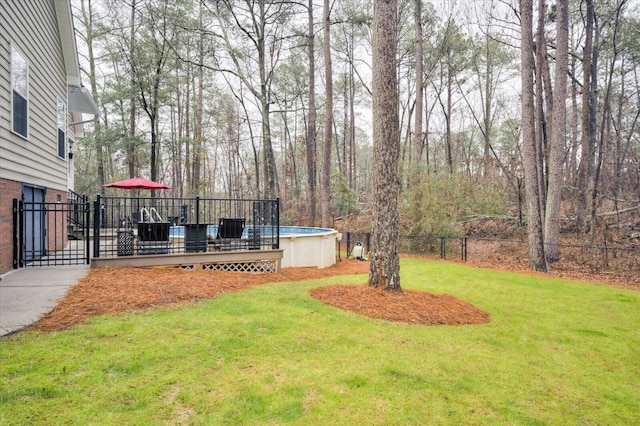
<point>68,40</point>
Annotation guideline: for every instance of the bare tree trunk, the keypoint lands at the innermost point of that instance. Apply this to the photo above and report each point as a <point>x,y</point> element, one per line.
<point>267,149</point>
<point>537,259</point>
<point>187,135</point>
<point>179,176</point>
<point>585,169</point>
<point>87,17</point>
<point>428,113</point>
<point>448,144</point>
<point>487,119</point>
<point>311,125</point>
<point>346,140</point>
<point>328,117</point>
<point>256,156</point>
<point>269,162</point>
<point>385,265</point>
<point>352,121</point>
<point>198,150</point>
<point>592,169</point>
<point>405,144</point>
<point>557,144</point>
<point>290,151</point>
<point>606,114</point>
<point>541,87</point>
<point>130,149</point>
<point>417,133</point>
<point>176,146</point>
<point>573,162</point>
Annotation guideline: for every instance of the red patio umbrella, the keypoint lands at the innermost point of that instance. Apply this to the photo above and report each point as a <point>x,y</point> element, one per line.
<point>137,183</point>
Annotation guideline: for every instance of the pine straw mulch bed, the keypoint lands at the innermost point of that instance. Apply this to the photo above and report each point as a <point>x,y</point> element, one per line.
<point>113,290</point>
<point>406,306</point>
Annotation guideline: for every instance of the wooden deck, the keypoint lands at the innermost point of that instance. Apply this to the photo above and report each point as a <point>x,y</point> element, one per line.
<point>235,261</point>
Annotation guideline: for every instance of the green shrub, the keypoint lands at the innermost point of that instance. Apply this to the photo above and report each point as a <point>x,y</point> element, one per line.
<point>441,203</point>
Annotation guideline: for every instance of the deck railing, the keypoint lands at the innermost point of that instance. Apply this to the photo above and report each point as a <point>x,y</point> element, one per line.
<point>127,226</point>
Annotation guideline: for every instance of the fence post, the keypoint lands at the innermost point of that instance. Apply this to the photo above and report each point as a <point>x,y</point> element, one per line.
<point>442,248</point>
<point>86,206</point>
<point>277,223</point>
<point>16,240</point>
<point>369,242</point>
<point>96,226</point>
<point>464,249</point>
<point>197,209</point>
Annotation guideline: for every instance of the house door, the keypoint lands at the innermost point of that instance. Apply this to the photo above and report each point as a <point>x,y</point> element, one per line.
<point>34,223</point>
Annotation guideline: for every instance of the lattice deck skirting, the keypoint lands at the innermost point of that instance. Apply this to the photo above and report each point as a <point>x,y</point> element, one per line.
<point>258,261</point>
<point>262,266</point>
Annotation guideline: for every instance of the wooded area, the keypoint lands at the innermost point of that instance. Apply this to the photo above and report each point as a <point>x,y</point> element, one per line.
<point>524,112</point>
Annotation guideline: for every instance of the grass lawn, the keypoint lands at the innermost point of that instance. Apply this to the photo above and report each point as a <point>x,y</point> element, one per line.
<point>555,352</point>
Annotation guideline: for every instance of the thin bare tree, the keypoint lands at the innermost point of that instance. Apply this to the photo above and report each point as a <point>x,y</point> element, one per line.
<point>537,258</point>
<point>328,117</point>
<point>558,135</point>
<point>311,123</point>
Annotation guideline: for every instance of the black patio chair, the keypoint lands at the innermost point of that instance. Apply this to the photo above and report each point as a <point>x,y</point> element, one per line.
<point>229,235</point>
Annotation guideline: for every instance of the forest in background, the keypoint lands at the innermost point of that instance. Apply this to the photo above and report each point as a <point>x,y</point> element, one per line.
<point>265,99</point>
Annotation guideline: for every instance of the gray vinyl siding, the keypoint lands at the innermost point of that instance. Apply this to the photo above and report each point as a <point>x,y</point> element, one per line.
<point>5,83</point>
<point>32,27</point>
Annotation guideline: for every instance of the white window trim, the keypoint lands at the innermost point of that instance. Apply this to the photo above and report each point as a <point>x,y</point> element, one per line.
<point>16,48</point>
<point>64,127</point>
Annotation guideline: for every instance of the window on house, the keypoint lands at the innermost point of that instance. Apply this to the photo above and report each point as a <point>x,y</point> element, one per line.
<point>20,92</point>
<point>62,128</point>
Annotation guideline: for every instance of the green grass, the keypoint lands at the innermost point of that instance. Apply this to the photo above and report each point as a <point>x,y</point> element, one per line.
<point>555,352</point>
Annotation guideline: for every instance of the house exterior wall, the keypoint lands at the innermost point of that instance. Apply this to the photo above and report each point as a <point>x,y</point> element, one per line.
<point>8,189</point>
<point>33,28</point>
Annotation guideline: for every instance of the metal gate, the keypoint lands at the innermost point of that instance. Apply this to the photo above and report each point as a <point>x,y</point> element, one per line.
<point>51,233</point>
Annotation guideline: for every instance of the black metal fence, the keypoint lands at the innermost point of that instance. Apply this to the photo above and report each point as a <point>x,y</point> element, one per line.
<point>589,258</point>
<point>127,226</point>
<point>490,251</point>
<point>51,233</point>
<point>586,257</point>
<point>430,245</point>
<point>412,244</point>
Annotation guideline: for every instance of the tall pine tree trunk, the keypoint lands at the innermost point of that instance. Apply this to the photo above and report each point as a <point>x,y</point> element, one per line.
<point>542,87</point>
<point>198,149</point>
<point>352,118</point>
<point>448,145</point>
<point>385,263</point>
<point>557,143</point>
<point>328,117</point>
<point>311,125</point>
<point>537,259</point>
<point>585,170</point>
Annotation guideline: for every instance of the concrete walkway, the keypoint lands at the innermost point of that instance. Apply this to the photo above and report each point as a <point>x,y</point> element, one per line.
<point>28,293</point>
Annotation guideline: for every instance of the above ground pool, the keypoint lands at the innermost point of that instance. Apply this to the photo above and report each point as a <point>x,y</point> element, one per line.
<point>178,231</point>
<point>302,246</point>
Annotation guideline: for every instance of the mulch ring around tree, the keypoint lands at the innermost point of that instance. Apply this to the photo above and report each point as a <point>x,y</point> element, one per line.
<point>113,290</point>
<point>404,306</point>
